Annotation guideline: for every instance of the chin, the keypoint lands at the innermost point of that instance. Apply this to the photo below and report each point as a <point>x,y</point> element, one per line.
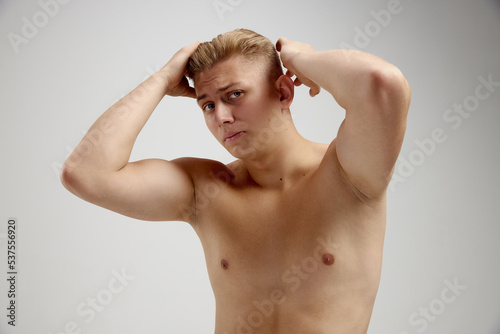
<point>244,152</point>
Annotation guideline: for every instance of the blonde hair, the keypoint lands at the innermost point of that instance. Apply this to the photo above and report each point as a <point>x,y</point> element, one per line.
<point>244,42</point>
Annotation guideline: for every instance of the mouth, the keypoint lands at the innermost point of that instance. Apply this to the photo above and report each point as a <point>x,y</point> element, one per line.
<point>233,136</point>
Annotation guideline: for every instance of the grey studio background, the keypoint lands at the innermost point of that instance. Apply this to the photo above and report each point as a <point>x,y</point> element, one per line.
<point>83,269</point>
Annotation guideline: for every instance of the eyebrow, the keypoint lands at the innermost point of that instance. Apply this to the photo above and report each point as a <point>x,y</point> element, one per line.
<point>222,89</point>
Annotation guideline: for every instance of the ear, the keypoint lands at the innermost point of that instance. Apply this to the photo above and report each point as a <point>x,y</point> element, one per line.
<point>284,86</point>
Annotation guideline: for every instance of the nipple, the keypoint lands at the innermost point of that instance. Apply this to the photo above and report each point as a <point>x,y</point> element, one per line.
<point>224,264</point>
<point>328,259</point>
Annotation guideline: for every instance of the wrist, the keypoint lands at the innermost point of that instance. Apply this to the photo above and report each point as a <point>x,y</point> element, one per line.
<point>161,77</point>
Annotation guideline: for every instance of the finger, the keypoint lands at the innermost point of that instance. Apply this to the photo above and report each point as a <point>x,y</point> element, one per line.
<point>186,51</point>
<point>190,92</point>
<point>297,82</point>
<point>191,47</point>
<point>182,56</point>
<point>314,91</point>
<point>280,42</point>
<point>290,73</point>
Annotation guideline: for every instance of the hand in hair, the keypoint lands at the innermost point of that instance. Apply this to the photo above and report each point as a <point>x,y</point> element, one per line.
<point>174,73</point>
<point>289,50</point>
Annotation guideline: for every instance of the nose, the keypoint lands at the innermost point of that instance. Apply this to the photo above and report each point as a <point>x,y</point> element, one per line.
<point>223,114</point>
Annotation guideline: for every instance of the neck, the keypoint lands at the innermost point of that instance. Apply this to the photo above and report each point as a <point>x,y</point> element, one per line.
<point>282,162</point>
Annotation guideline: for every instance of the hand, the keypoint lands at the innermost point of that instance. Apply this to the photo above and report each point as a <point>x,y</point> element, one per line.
<point>288,51</point>
<point>174,73</point>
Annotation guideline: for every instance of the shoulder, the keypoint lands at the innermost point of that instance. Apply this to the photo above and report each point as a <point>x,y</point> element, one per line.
<point>202,171</point>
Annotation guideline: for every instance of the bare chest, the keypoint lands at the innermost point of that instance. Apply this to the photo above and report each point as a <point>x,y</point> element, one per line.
<point>303,251</point>
<point>259,235</point>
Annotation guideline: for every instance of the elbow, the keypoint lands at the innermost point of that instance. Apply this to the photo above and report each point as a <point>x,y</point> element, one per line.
<point>69,178</point>
<point>390,89</point>
<point>74,181</point>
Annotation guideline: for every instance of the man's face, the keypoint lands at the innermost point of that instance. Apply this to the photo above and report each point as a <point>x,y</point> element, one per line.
<point>238,104</point>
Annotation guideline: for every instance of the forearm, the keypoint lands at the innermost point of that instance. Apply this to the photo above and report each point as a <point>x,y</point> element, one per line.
<point>350,76</point>
<point>105,149</point>
<point>108,144</point>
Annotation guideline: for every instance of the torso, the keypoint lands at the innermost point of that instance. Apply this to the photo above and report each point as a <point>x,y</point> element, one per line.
<point>302,259</point>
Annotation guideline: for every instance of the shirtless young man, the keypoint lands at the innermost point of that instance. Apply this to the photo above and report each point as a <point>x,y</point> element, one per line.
<point>292,230</point>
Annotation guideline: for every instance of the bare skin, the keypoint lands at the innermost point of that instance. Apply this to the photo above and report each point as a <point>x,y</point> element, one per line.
<point>292,230</point>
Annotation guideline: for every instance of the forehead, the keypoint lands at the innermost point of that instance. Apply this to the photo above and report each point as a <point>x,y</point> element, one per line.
<point>234,69</point>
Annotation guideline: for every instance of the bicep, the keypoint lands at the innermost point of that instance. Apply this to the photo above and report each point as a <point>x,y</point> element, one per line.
<point>150,189</point>
<point>370,138</point>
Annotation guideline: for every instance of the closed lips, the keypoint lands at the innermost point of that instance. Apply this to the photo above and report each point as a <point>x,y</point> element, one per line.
<point>231,135</point>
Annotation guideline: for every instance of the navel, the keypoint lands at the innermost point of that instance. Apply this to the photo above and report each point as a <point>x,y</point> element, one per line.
<point>328,259</point>
<point>224,264</point>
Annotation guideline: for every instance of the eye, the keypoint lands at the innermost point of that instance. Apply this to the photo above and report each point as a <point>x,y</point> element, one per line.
<point>235,95</point>
<point>208,107</point>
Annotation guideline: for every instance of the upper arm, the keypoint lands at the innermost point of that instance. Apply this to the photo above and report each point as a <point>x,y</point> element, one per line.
<point>151,189</point>
<point>370,137</point>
